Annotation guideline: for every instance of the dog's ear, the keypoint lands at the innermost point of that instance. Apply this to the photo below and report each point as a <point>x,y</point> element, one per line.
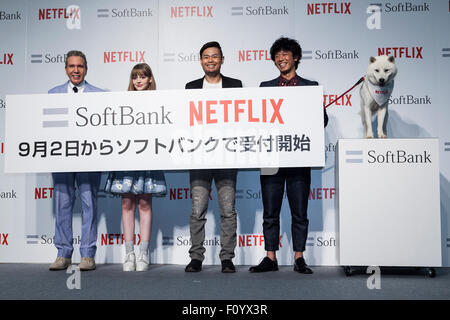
<point>372,59</point>
<point>391,59</point>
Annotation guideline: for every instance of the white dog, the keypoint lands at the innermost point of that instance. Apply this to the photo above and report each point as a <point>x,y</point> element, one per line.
<point>375,92</point>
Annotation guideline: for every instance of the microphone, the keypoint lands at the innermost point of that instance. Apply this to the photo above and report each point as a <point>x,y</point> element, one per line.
<point>75,89</point>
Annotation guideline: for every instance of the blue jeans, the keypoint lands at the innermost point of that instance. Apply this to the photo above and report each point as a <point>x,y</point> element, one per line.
<point>88,185</point>
<point>298,182</point>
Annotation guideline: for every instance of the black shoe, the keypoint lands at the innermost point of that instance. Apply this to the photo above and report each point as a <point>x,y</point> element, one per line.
<point>301,267</point>
<point>228,266</point>
<point>266,264</point>
<point>194,266</point>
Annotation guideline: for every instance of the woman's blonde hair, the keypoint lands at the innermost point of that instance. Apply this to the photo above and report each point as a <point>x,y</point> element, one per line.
<point>142,69</point>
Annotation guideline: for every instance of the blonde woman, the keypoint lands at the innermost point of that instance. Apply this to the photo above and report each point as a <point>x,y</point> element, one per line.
<point>137,189</point>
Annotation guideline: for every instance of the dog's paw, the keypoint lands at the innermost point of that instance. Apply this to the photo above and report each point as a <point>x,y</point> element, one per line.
<point>369,136</point>
<point>382,135</point>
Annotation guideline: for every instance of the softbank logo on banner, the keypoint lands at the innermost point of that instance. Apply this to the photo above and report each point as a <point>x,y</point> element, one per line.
<point>123,56</point>
<point>72,15</point>
<point>259,11</point>
<point>191,12</point>
<point>328,8</point>
<point>402,52</point>
<point>388,157</point>
<point>124,13</point>
<point>8,194</point>
<point>6,58</point>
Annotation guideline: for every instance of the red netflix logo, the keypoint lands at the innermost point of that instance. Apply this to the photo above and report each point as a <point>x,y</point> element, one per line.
<point>182,194</point>
<point>110,239</point>
<point>123,56</point>
<point>328,8</point>
<point>253,55</point>
<point>253,240</point>
<point>342,101</point>
<point>1,148</point>
<point>6,58</point>
<point>59,13</point>
<point>322,193</point>
<point>43,193</point>
<point>402,52</point>
<point>4,239</point>
<point>191,11</point>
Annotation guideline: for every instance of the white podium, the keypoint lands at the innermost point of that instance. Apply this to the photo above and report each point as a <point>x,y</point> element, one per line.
<point>389,203</point>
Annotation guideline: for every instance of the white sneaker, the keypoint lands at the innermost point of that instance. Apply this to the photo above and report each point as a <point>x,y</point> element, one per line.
<point>130,262</point>
<point>142,262</point>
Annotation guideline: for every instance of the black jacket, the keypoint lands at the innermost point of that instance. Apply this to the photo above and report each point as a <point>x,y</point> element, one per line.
<point>301,82</point>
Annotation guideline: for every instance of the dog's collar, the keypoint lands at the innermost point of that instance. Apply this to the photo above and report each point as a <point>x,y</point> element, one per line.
<point>380,94</point>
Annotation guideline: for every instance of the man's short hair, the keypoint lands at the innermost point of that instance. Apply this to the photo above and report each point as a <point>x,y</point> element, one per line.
<point>76,53</point>
<point>212,44</point>
<point>286,44</point>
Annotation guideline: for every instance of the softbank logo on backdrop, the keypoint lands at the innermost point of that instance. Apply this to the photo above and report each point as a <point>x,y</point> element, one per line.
<point>123,56</point>
<point>124,13</point>
<point>402,52</point>
<point>47,58</point>
<point>191,12</point>
<point>388,157</point>
<point>72,15</point>
<point>259,11</point>
<point>10,16</point>
<point>328,8</point>
<point>181,57</point>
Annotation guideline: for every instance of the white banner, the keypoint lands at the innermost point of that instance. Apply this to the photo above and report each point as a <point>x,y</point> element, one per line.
<point>165,129</point>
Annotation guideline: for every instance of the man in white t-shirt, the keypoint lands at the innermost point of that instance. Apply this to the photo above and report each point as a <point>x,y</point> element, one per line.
<point>211,60</point>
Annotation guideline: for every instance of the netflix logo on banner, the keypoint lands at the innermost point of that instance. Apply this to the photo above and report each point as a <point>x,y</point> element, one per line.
<point>6,58</point>
<point>344,101</point>
<point>254,55</point>
<point>402,52</point>
<point>123,56</point>
<point>191,11</point>
<point>43,193</point>
<point>59,13</point>
<point>328,8</point>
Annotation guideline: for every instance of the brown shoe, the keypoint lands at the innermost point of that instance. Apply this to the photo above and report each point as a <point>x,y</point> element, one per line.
<point>60,263</point>
<point>87,264</point>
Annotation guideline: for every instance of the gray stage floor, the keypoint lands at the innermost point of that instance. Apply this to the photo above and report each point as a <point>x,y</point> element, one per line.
<point>170,282</point>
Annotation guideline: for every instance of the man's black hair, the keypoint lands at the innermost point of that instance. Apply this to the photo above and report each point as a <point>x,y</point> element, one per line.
<point>286,44</point>
<point>212,44</point>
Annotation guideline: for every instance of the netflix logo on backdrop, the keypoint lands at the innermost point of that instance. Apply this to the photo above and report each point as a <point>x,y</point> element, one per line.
<point>43,193</point>
<point>59,13</point>
<point>4,239</point>
<point>344,101</point>
<point>6,58</point>
<point>402,52</point>
<point>253,55</point>
<point>191,12</point>
<point>328,8</point>
<point>123,56</point>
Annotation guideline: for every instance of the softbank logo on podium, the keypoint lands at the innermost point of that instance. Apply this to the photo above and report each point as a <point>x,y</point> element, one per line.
<point>354,156</point>
<point>388,157</point>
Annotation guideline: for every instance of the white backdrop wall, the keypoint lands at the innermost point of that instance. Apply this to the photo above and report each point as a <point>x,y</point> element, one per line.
<point>337,37</point>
